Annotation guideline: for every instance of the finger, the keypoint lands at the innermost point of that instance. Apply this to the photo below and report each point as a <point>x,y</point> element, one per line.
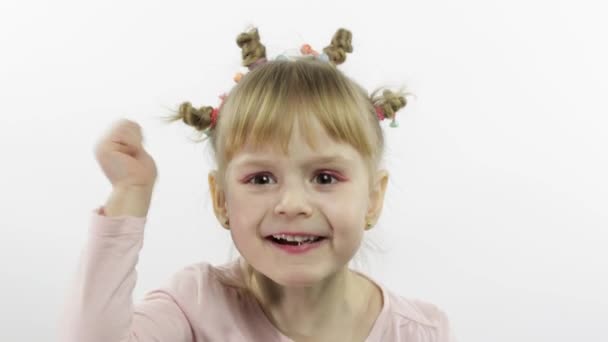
<point>110,146</point>
<point>125,148</point>
<point>135,133</point>
<point>126,135</point>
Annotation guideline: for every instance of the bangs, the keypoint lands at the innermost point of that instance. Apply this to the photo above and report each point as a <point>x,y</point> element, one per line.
<point>263,107</point>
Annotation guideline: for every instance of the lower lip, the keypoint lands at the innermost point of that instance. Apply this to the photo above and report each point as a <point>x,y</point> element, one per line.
<point>303,248</point>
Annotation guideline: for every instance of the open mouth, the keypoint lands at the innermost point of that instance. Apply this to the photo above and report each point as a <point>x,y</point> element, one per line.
<point>294,240</point>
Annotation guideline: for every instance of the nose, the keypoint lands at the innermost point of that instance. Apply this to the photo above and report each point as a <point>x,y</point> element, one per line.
<point>293,202</point>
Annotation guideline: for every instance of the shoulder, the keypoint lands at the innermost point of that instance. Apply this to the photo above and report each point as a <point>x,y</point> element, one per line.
<point>211,299</point>
<point>206,291</point>
<point>409,319</point>
<point>202,278</point>
<point>417,319</point>
<point>417,310</point>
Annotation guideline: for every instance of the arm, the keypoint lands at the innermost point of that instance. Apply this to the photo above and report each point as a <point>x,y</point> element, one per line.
<point>100,306</point>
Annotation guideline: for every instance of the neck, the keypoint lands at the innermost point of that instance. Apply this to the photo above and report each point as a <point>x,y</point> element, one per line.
<point>340,300</point>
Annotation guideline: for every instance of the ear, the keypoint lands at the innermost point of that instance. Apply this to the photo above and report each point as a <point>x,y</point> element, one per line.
<point>218,197</point>
<point>376,199</point>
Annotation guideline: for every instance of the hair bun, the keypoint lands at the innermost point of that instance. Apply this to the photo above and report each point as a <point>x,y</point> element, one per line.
<point>341,43</point>
<point>251,47</point>
<point>198,118</point>
<point>392,103</point>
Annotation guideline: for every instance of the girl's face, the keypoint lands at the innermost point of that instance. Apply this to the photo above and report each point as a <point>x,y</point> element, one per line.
<point>323,192</point>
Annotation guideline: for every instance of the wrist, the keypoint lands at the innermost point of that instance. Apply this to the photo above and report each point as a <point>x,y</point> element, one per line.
<point>130,201</point>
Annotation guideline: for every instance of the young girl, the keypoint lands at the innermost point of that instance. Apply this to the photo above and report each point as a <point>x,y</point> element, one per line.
<point>298,147</point>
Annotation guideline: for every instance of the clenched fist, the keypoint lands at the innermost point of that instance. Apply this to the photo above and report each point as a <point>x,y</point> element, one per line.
<point>122,158</point>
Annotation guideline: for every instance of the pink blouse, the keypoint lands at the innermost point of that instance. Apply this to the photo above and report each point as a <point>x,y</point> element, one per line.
<point>195,306</point>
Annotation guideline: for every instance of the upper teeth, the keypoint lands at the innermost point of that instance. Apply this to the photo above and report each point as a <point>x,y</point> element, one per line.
<point>293,238</point>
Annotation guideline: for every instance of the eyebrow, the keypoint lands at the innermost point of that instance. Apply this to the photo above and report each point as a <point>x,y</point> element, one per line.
<point>264,161</point>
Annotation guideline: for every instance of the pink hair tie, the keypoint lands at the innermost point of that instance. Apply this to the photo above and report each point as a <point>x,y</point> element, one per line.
<point>257,63</point>
<point>214,114</point>
<point>381,116</point>
<point>216,111</point>
<point>380,113</point>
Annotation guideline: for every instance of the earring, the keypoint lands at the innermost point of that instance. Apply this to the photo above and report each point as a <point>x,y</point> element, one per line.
<point>368,225</point>
<point>226,221</point>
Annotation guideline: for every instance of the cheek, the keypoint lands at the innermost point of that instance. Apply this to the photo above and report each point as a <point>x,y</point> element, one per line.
<point>347,219</point>
<point>245,217</point>
<point>245,213</point>
<point>346,210</point>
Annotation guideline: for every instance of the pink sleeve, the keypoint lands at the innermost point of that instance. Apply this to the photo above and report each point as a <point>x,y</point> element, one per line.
<point>439,319</point>
<point>446,332</point>
<point>100,306</point>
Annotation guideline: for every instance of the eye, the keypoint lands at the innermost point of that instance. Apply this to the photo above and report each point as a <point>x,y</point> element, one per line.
<point>326,178</point>
<point>259,179</point>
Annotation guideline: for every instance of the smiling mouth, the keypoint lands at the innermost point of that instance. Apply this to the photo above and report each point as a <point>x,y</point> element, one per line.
<point>295,241</point>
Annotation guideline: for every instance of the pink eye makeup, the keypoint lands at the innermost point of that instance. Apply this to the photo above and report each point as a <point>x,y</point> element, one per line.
<point>335,175</point>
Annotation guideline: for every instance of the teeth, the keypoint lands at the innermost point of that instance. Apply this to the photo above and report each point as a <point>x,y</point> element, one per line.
<point>294,238</point>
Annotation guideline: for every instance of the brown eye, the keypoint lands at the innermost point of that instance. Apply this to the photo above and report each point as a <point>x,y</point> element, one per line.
<point>326,178</point>
<point>260,179</point>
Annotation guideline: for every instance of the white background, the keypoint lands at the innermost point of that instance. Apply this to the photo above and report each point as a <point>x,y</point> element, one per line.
<point>496,207</point>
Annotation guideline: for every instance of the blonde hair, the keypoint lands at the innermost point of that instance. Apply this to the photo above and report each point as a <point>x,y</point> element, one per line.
<point>266,102</point>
